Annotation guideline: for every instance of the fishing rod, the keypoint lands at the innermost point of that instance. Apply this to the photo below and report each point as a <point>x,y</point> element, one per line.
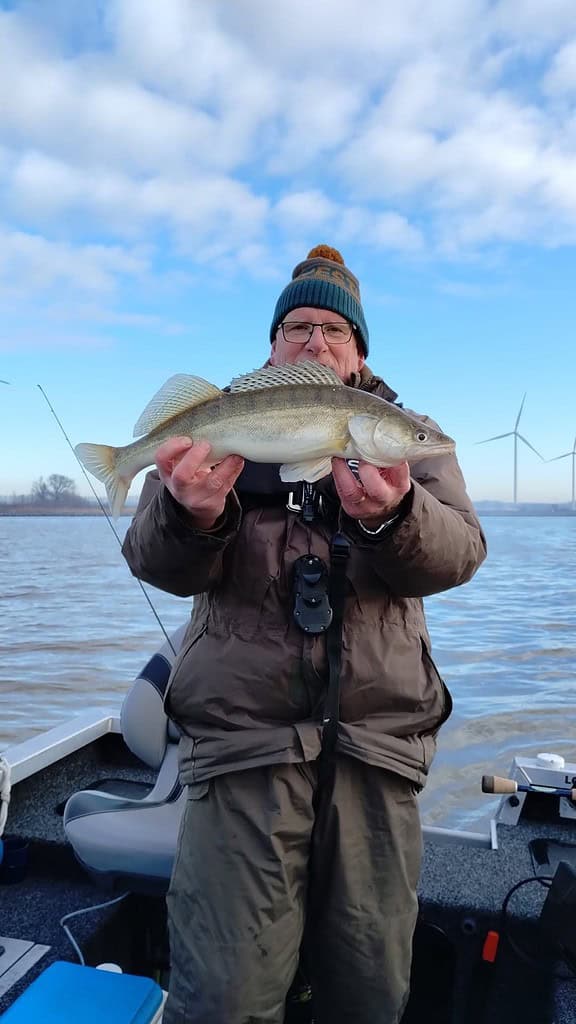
<point>495,784</point>
<point>108,519</point>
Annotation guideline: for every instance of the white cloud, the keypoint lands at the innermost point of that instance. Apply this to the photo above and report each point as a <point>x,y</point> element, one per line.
<point>360,43</point>
<point>534,22</point>
<point>220,127</point>
<point>88,110</point>
<point>561,78</point>
<point>31,262</point>
<point>503,170</point>
<point>391,231</point>
<point>305,210</point>
<point>96,314</point>
<point>306,213</point>
<point>315,118</point>
<point>197,207</point>
<point>387,230</point>
<point>184,50</point>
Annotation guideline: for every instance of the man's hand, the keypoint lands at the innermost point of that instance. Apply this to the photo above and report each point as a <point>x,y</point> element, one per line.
<point>376,496</point>
<point>183,468</point>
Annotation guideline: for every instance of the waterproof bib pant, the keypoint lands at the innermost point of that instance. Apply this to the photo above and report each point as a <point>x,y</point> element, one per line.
<point>266,865</point>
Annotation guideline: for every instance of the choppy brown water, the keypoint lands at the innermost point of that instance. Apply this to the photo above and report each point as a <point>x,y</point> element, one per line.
<point>75,630</point>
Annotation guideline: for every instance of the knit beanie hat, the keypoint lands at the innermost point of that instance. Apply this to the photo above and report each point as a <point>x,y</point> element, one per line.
<point>323,281</point>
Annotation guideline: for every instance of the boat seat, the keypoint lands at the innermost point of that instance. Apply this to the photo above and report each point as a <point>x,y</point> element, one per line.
<point>126,842</point>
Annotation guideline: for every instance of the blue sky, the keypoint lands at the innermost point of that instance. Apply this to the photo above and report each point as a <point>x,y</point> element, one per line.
<point>163,167</point>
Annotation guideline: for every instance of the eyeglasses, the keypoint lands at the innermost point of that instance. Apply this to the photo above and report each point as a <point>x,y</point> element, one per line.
<point>298,333</point>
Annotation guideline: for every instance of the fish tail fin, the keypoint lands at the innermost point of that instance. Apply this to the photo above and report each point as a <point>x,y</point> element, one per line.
<point>100,460</point>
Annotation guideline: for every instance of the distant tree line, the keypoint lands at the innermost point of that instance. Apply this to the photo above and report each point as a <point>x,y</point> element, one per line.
<point>55,490</point>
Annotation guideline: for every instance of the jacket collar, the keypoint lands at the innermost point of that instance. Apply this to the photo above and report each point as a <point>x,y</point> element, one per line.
<point>368,381</point>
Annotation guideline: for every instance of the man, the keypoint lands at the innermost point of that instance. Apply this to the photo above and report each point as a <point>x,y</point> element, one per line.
<point>276,854</point>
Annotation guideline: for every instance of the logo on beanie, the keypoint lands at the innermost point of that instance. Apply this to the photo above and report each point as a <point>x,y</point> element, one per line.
<point>333,274</point>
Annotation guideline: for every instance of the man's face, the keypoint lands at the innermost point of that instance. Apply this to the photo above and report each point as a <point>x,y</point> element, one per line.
<point>344,359</point>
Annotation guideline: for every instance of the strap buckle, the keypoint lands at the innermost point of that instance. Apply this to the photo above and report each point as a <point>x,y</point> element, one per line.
<point>340,548</point>
<point>309,502</point>
<point>291,503</point>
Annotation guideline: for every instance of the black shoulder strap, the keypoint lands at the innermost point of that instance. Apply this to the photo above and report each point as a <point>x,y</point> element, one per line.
<point>339,554</point>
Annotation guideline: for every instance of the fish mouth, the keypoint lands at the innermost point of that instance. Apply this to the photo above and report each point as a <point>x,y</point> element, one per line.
<point>442,448</point>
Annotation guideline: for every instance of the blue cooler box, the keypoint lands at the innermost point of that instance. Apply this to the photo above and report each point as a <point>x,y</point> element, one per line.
<point>66,993</point>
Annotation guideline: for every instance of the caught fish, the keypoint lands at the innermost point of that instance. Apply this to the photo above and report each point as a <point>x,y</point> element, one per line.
<point>299,414</point>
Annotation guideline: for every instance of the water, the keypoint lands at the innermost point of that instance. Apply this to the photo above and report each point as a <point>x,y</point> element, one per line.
<point>75,630</point>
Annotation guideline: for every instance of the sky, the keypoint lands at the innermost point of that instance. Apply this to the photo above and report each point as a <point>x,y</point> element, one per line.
<point>164,166</point>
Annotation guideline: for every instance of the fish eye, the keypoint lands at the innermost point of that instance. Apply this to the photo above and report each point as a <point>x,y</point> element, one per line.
<point>422,436</point>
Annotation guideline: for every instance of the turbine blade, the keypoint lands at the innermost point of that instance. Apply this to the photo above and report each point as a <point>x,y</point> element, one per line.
<point>532,447</point>
<point>4,381</point>
<point>497,438</point>
<point>556,457</point>
<point>520,413</point>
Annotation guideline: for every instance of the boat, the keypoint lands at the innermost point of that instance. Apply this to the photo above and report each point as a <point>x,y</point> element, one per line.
<point>92,809</point>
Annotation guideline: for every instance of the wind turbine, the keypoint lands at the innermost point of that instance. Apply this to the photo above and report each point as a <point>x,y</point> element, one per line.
<point>565,456</point>
<point>514,433</point>
<point>4,381</point>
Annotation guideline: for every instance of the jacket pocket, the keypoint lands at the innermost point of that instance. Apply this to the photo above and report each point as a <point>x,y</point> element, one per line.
<point>198,790</point>
<point>435,676</point>
<point>196,635</point>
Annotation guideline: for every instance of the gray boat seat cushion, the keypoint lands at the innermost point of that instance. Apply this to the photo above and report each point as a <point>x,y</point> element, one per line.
<point>145,726</point>
<point>118,836</point>
<point>132,838</point>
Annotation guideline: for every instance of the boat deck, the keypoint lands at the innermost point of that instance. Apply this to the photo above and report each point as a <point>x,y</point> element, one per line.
<point>56,884</point>
<point>462,890</point>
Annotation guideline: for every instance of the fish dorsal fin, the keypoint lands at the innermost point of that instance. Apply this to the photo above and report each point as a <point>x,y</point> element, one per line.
<point>179,393</point>
<point>284,376</point>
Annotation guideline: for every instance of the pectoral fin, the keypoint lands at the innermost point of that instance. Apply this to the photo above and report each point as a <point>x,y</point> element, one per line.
<point>292,472</point>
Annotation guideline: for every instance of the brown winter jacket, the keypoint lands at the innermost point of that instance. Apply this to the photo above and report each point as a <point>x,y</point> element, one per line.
<point>248,685</point>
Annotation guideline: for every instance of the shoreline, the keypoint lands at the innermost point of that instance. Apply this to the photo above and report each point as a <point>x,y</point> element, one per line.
<point>16,512</point>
